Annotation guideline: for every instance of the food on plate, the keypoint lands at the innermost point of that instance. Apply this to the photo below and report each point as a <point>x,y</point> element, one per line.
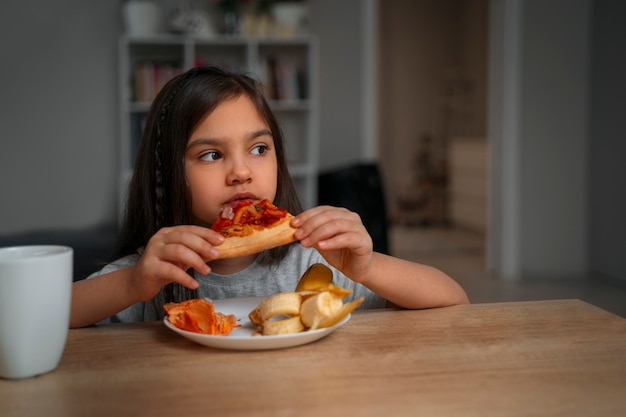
<point>199,316</point>
<point>251,227</point>
<point>319,308</point>
<point>283,303</point>
<point>317,276</point>
<point>286,326</point>
<point>313,307</point>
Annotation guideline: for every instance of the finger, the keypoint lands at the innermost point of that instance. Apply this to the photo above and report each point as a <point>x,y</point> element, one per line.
<point>206,234</point>
<point>309,214</point>
<point>356,242</point>
<point>312,219</point>
<point>173,273</point>
<point>182,254</point>
<point>199,239</point>
<point>328,224</point>
<point>210,235</point>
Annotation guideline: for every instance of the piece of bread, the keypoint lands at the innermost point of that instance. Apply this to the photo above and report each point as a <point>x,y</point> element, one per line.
<point>245,239</point>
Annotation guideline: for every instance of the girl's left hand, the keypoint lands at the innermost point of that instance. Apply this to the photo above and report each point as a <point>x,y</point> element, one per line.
<point>340,237</point>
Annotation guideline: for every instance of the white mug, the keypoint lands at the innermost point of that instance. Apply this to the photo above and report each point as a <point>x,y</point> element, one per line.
<point>35,300</point>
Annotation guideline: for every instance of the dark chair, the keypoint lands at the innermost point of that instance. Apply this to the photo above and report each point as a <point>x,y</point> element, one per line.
<point>358,188</point>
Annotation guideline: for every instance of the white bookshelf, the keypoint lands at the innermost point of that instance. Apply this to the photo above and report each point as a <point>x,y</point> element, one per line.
<point>296,105</point>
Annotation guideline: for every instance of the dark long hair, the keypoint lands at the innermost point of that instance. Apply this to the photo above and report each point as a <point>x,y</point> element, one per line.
<point>158,195</point>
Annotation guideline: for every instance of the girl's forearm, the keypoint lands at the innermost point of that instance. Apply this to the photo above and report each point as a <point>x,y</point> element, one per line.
<point>412,285</point>
<point>97,298</point>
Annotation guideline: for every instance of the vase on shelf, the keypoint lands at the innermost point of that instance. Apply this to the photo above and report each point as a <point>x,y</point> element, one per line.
<point>142,17</point>
<point>230,11</point>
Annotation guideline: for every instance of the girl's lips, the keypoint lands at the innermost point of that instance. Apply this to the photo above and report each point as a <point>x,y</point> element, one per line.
<point>242,196</point>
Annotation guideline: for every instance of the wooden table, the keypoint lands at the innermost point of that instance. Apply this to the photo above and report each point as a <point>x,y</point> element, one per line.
<point>544,358</point>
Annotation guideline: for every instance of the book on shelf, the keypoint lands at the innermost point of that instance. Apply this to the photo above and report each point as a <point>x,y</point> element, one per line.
<point>151,76</point>
<point>282,79</point>
<point>226,64</point>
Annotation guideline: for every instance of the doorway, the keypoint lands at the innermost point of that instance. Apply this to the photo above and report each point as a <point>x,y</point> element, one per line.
<point>433,146</point>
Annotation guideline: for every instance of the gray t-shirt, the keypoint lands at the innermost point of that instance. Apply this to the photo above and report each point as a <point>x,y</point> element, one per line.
<point>255,280</point>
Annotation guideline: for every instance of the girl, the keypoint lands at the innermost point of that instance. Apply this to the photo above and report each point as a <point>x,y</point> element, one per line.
<point>211,138</point>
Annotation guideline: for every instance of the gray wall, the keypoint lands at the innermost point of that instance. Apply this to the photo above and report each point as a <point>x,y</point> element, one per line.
<point>559,180</point>
<point>338,26</point>
<point>607,143</point>
<point>58,114</point>
<point>554,136</point>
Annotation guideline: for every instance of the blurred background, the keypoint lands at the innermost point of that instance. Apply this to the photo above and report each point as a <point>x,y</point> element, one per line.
<point>488,133</point>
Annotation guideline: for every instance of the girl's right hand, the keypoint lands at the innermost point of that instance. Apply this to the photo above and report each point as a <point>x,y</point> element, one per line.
<point>169,254</point>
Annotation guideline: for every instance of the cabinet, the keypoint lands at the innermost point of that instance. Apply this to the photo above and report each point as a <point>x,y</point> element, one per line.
<point>286,66</point>
<point>469,159</point>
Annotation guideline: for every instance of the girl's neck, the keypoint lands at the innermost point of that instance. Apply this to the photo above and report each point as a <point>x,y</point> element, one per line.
<point>232,265</point>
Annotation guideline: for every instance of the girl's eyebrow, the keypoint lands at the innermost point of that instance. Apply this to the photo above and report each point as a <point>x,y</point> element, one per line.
<point>220,141</point>
<point>204,142</point>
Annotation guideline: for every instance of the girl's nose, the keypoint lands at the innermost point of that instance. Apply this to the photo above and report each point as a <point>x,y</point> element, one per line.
<point>239,173</point>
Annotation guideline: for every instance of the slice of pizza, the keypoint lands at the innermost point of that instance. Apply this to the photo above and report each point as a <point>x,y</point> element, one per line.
<point>251,227</point>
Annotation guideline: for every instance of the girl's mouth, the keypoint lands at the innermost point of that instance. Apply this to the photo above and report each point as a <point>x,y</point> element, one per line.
<point>243,196</point>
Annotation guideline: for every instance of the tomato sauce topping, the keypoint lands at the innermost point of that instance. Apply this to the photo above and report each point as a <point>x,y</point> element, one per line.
<point>247,212</point>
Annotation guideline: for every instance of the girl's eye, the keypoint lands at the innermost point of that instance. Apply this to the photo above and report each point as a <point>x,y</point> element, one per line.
<point>210,156</point>
<point>259,149</point>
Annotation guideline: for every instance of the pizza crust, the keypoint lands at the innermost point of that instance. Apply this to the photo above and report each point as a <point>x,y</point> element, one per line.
<point>256,240</point>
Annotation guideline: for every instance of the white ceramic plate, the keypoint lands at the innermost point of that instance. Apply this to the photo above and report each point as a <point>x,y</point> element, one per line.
<point>242,337</point>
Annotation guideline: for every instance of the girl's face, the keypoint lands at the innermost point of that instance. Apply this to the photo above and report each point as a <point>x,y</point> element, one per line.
<point>230,155</point>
